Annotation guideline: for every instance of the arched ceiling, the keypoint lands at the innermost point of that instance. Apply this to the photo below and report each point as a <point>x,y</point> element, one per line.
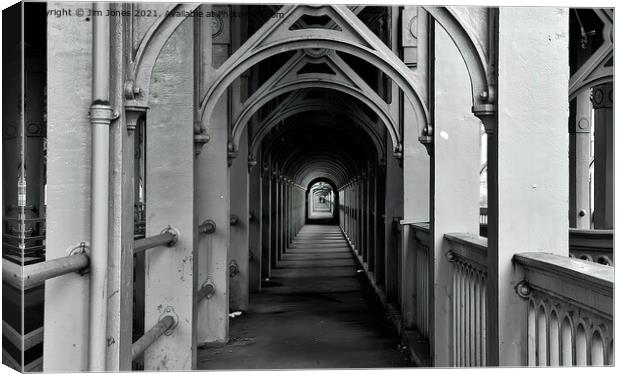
<point>307,146</point>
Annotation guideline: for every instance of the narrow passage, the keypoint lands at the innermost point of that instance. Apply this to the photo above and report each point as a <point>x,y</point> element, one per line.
<point>315,312</point>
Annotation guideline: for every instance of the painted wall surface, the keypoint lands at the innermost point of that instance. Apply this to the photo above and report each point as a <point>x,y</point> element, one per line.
<point>170,175</point>
<point>68,187</point>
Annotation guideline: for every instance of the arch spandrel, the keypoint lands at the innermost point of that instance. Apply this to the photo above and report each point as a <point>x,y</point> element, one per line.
<point>151,45</point>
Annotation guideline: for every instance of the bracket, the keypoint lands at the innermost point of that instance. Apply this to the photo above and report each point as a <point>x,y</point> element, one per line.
<point>207,227</point>
<point>82,247</point>
<point>175,234</point>
<point>169,311</point>
<point>523,289</point>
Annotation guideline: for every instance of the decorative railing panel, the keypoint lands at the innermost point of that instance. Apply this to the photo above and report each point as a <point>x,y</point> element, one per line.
<point>468,254</point>
<point>570,310</point>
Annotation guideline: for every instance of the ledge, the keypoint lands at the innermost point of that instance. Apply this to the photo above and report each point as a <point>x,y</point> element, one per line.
<point>470,248</point>
<point>469,240</point>
<point>585,273</point>
<point>422,226</point>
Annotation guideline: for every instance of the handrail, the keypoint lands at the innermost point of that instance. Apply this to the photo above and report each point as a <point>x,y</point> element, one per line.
<point>32,275</point>
<point>168,237</point>
<point>151,336</point>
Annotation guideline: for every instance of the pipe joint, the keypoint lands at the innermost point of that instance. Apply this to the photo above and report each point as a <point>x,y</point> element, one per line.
<point>102,114</point>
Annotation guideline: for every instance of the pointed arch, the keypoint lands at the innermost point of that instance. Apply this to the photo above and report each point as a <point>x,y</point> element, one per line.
<point>276,37</point>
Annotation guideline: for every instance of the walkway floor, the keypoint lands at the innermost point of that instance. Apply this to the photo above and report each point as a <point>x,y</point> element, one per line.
<point>314,312</point>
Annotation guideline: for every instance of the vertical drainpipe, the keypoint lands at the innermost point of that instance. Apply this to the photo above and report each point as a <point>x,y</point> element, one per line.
<point>101,115</point>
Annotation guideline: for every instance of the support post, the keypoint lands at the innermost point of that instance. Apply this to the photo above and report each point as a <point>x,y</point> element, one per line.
<point>579,154</point>
<point>212,191</point>
<point>256,227</point>
<point>602,102</point>
<point>239,233</point>
<point>455,183</point>
<point>528,191</point>
<point>169,274</point>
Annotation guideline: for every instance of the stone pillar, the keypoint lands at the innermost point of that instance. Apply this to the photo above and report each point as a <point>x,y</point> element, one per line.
<point>455,183</point>
<point>239,232</point>
<point>372,223</point>
<point>169,283</point>
<point>274,218</point>
<point>393,210</point>
<point>212,191</point>
<point>380,216</point>
<point>528,182</point>
<point>579,155</point>
<point>416,198</point>
<point>602,102</point>
<point>267,221</point>
<point>256,222</point>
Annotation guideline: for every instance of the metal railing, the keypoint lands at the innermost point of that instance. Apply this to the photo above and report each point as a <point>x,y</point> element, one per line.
<point>168,237</point>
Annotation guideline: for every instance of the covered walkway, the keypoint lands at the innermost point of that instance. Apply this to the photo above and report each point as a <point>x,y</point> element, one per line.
<point>316,311</point>
<point>349,177</point>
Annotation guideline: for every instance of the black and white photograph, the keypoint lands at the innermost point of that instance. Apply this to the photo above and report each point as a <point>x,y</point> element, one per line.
<point>291,186</point>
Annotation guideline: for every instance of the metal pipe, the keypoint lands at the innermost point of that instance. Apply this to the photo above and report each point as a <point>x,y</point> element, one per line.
<point>32,275</point>
<point>151,336</point>
<point>167,238</point>
<point>101,117</point>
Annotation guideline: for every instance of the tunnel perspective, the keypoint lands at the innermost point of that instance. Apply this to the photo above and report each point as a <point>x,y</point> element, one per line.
<point>321,185</point>
<point>314,156</point>
<point>321,202</point>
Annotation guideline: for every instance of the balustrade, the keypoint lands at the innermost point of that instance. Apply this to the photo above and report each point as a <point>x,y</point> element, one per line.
<point>468,254</point>
<point>423,280</point>
<point>592,245</point>
<point>570,310</point>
